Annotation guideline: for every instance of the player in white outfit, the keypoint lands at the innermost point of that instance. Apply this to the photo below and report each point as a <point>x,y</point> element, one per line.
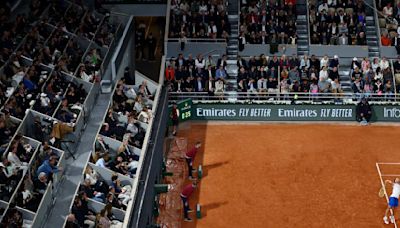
<point>393,199</point>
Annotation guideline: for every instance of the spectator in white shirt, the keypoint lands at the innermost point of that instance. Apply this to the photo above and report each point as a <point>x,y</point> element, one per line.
<point>323,74</point>
<point>324,61</point>
<point>388,10</point>
<point>200,63</point>
<point>14,159</point>
<point>145,115</point>
<point>384,64</point>
<point>323,6</point>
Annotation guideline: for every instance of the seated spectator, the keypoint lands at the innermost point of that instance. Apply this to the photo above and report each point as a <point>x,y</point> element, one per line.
<point>49,167</point>
<point>257,27</point>
<point>199,19</point>
<point>337,24</point>
<point>15,160</point>
<point>385,40</point>
<point>81,211</point>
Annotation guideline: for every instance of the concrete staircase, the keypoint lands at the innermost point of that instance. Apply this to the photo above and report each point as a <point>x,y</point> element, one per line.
<point>232,48</point>
<point>302,28</point>
<point>371,30</point>
<point>372,38</point>
<point>345,78</point>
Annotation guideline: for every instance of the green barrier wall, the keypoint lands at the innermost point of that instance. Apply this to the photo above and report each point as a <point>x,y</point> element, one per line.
<point>262,112</point>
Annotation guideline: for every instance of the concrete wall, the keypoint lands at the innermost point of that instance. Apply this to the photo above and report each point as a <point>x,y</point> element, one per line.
<point>195,49</point>
<point>154,10</point>
<point>344,51</point>
<point>258,49</point>
<point>388,52</point>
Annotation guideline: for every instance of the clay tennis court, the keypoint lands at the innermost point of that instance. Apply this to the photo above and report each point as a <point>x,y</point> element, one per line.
<point>265,175</point>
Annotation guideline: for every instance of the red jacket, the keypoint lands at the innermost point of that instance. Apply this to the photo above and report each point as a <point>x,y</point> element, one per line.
<point>187,191</point>
<point>170,74</point>
<point>191,153</point>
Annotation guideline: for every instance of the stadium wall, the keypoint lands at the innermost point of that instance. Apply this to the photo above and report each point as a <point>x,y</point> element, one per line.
<point>263,112</point>
<point>142,213</point>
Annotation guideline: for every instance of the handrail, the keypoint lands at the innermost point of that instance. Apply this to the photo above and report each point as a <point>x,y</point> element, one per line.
<point>376,20</point>
<point>199,40</point>
<point>309,25</point>
<point>276,97</point>
<point>394,78</point>
<point>166,27</point>
<point>212,51</point>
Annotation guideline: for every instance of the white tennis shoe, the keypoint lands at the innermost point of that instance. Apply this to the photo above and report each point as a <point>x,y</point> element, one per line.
<point>392,219</point>
<point>385,220</point>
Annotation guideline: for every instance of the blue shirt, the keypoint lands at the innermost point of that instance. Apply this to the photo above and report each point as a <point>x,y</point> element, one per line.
<point>46,168</point>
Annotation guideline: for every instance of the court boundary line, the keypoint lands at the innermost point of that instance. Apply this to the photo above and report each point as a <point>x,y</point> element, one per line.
<point>384,188</point>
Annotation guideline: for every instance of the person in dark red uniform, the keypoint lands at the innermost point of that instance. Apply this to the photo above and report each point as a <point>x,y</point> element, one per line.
<point>185,194</point>
<point>189,156</point>
<point>175,118</point>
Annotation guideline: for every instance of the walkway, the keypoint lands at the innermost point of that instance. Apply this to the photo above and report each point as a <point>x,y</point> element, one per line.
<point>74,168</point>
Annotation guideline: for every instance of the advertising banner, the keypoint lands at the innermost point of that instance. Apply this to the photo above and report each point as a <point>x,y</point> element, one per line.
<point>263,112</point>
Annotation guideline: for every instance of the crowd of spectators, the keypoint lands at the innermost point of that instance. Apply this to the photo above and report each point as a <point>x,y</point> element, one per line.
<point>33,167</point>
<point>199,19</point>
<point>374,76</point>
<point>337,22</point>
<point>389,17</point>
<point>197,75</point>
<point>106,191</point>
<point>126,121</point>
<point>37,52</point>
<point>298,75</point>
<point>267,22</point>
<point>83,216</point>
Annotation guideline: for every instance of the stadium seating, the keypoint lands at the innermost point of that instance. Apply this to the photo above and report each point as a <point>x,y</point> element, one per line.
<point>50,59</point>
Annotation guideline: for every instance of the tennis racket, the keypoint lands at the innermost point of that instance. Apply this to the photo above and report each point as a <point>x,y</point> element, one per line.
<point>381,193</point>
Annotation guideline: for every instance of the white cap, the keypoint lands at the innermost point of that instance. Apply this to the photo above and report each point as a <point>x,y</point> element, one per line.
<point>355,59</point>
<point>31,103</point>
<point>43,95</point>
<point>335,56</point>
<point>29,96</point>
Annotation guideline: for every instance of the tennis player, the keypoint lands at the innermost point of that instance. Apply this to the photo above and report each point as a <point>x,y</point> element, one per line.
<point>393,199</point>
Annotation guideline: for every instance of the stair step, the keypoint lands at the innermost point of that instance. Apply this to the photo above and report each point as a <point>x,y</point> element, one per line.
<point>302,35</point>
<point>344,72</point>
<point>231,62</point>
<point>235,16</point>
<point>302,31</point>
<point>301,17</point>
<point>302,42</point>
<point>369,18</point>
<point>301,26</point>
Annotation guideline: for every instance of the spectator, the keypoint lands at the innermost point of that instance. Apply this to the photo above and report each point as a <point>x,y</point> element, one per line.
<point>49,167</point>
<point>385,40</point>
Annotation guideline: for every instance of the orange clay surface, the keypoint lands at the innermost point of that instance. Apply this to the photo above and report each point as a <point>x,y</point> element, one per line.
<point>291,175</point>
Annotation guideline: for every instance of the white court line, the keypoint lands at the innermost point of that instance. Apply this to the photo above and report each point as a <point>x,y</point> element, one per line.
<point>387,163</point>
<point>386,196</point>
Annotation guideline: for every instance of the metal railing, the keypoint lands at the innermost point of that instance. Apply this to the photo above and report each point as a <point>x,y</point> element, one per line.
<point>286,98</point>
<point>199,40</point>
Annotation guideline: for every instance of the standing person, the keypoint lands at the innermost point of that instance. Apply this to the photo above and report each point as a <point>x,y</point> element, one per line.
<point>151,45</point>
<point>190,155</point>
<point>185,194</point>
<point>393,199</point>
<point>175,118</point>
